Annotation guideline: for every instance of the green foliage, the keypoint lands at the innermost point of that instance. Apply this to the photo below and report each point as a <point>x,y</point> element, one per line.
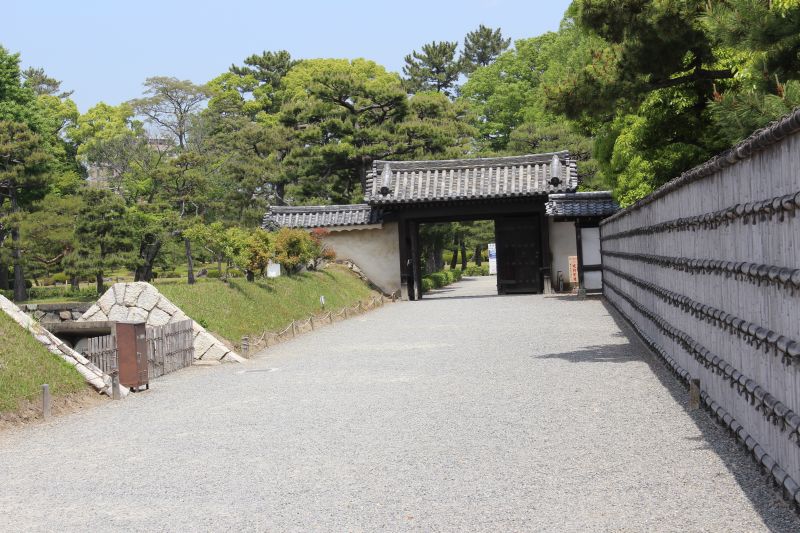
<point>25,365</point>
<point>238,308</point>
<point>102,232</point>
<point>434,68</point>
<point>295,248</point>
<point>440,279</point>
<point>481,47</point>
<point>475,270</point>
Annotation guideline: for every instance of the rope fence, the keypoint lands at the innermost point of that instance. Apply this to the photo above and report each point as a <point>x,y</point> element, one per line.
<point>298,327</point>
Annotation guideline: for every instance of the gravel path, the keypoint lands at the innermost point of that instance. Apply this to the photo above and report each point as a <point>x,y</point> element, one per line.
<point>462,412</point>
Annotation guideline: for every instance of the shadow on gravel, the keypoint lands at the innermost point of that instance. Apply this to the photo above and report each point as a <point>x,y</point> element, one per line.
<point>776,513</point>
<point>611,353</point>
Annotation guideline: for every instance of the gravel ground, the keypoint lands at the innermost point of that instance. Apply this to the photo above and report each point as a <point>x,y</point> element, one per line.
<point>461,412</point>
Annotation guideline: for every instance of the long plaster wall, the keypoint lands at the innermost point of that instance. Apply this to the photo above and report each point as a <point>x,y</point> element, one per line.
<point>375,251</point>
<point>562,246</point>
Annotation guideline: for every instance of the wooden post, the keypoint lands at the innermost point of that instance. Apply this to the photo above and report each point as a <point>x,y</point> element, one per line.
<point>311,321</point>
<point>116,393</point>
<point>245,346</point>
<point>294,329</point>
<point>694,394</point>
<point>46,401</point>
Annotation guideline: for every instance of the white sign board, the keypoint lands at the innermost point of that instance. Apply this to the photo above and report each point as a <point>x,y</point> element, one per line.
<point>492,258</point>
<point>273,270</point>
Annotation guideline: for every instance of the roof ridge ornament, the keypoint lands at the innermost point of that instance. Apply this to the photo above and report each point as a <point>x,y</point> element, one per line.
<point>555,171</point>
<point>386,179</point>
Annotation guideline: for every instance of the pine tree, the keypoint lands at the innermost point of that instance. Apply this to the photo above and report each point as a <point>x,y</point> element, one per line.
<point>435,68</point>
<point>482,46</point>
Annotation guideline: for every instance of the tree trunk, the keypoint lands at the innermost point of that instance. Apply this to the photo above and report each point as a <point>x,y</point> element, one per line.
<point>478,256</point>
<point>74,283</point>
<point>280,190</point>
<point>20,294</point>
<point>454,259</point>
<point>219,265</point>
<point>463,255</point>
<point>190,272</point>
<point>148,251</point>
<point>251,276</point>
<point>363,169</point>
<point>3,276</point>
<point>99,279</point>
<point>430,262</point>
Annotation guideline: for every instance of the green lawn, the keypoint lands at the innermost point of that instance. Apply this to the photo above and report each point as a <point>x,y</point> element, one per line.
<point>25,365</point>
<point>240,308</point>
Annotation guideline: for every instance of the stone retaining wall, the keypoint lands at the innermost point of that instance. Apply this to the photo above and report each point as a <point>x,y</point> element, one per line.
<point>93,375</point>
<point>142,302</point>
<point>57,312</point>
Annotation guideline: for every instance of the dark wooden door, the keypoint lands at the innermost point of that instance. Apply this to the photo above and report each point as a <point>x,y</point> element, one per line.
<point>519,254</point>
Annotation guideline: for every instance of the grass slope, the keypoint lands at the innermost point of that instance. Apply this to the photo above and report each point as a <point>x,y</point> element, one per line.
<point>240,308</point>
<point>25,365</point>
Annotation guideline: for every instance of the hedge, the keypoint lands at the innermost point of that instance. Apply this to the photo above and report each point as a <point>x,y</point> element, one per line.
<point>440,279</point>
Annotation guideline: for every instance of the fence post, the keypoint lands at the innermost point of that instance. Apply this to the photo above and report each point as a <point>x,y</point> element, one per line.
<point>294,329</point>
<point>115,391</point>
<point>345,312</point>
<point>311,320</point>
<point>694,394</point>
<point>46,401</point>
<point>245,346</point>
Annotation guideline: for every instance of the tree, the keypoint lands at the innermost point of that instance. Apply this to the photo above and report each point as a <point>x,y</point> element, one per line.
<point>435,68</point>
<point>481,47</point>
<point>261,78</point>
<point>114,146</point>
<point>37,80</point>
<point>256,253</point>
<point>344,111</point>
<point>103,234</point>
<point>48,233</point>
<point>170,104</point>
<point>508,92</point>
<point>23,161</point>
<point>209,236</point>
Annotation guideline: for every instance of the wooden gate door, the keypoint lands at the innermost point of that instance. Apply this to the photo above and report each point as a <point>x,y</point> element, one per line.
<point>519,254</point>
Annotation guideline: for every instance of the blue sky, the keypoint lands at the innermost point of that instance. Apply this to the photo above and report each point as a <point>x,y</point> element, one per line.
<point>103,50</point>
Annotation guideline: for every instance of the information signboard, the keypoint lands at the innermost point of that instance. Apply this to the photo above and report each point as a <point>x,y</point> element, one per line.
<point>573,269</point>
<point>492,258</point>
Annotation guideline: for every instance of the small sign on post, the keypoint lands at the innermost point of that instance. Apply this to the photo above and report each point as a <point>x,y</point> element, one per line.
<point>573,269</point>
<point>492,258</point>
<point>273,270</point>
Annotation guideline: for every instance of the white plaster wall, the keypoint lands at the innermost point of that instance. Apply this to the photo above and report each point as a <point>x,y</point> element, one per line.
<point>562,245</point>
<point>375,251</point>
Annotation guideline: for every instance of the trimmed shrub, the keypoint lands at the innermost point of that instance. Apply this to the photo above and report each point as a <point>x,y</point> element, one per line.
<point>427,284</point>
<point>475,270</point>
<point>60,277</point>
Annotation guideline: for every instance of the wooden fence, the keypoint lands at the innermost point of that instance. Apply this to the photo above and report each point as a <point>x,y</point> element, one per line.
<point>102,351</point>
<point>707,270</point>
<point>169,348</point>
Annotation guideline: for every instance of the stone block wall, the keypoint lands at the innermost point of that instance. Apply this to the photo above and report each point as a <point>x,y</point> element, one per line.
<point>57,312</point>
<point>142,302</point>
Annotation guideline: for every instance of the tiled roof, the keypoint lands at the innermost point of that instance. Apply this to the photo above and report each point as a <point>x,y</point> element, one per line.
<point>581,204</point>
<point>317,216</point>
<point>400,182</point>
